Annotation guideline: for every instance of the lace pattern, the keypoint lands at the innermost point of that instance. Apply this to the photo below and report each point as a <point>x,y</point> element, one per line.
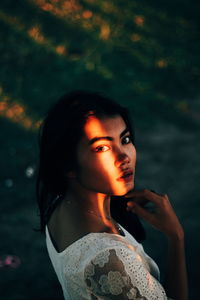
<point>102,266</point>
<point>118,274</point>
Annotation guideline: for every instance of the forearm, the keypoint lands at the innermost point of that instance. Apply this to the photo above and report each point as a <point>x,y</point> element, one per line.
<point>164,219</point>
<point>176,284</point>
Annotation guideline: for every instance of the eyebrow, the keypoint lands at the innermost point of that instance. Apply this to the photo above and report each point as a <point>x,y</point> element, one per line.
<point>109,138</point>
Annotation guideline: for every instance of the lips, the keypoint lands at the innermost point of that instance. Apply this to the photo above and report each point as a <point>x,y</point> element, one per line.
<point>128,174</point>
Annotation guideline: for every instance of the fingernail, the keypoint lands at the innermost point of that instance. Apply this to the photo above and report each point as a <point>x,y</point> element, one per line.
<point>132,209</point>
<point>130,204</point>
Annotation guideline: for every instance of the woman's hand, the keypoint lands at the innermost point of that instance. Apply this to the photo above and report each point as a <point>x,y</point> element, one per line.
<point>162,216</point>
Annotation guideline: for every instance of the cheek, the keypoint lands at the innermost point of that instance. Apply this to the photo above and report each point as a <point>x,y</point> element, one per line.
<point>131,152</point>
<point>93,168</point>
<point>134,153</point>
<point>98,172</point>
<point>95,173</point>
<point>86,165</point>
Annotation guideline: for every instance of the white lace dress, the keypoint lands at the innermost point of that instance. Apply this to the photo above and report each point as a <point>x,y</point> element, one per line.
<point>106,266</point>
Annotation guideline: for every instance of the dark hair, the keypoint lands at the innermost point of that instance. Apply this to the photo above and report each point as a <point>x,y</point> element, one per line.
<point>59,135</point>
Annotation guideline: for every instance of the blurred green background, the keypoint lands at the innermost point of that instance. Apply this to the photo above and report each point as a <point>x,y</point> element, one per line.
<point>145,55</point>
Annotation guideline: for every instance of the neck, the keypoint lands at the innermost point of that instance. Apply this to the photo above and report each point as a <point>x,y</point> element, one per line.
<point>82,201</point>
<point>91,208</point>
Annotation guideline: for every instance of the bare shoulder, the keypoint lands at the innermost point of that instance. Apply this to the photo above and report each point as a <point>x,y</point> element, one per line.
<point>60,231</point>
<point>64,229</point>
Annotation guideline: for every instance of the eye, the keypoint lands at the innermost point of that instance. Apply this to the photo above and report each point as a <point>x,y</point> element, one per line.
<point>103,148</point>
<point>126,139</point>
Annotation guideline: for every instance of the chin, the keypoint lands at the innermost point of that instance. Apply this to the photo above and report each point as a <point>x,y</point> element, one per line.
<point>123,190</point>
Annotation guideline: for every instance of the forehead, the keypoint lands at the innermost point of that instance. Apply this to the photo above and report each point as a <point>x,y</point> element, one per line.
<point>106,126</point>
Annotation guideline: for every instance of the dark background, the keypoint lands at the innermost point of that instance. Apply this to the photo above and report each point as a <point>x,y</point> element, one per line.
<point>144,54</point>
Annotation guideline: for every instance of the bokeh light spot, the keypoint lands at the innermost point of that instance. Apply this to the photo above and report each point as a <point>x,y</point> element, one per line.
<point>59,8</point>
<point>8,183</point>
<point>3,106</point>
<point>139,20</point>
<point>135,37</point>
<point>29,172</point>
<point>61,50</point>
<point>16,112</point>
<point>87,14</point>
<point>47,6</point>
<point>35,33</point>
<point>105,31</point>
<point>162,63</point>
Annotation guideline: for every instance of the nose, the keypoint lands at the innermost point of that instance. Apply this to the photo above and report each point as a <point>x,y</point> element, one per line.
<point>122,159</point>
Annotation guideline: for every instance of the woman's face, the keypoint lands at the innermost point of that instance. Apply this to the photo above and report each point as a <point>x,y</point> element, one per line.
<point>106,156</point>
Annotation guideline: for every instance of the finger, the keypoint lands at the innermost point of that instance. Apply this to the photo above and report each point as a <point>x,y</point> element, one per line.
<point>140,192</point>
<point>147,194</point>
<point>147,205</point>
<point>140,211</point>
<point>139,200</point>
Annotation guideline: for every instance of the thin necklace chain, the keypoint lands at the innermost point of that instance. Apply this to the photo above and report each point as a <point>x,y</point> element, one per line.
<point>108,218</point>
<point>93,213</point>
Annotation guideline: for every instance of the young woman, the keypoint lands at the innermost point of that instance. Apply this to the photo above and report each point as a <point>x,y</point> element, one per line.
<point>89,207</point>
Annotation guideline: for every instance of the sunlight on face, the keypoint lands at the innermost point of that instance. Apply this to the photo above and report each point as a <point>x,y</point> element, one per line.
<point>105,154</point>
